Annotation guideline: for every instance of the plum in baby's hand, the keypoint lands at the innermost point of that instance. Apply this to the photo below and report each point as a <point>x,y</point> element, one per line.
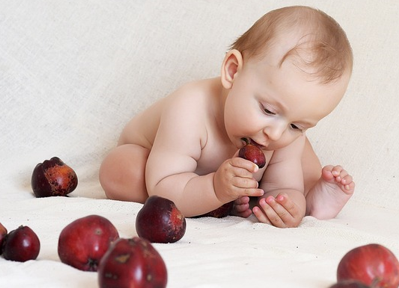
<point>253,153</point>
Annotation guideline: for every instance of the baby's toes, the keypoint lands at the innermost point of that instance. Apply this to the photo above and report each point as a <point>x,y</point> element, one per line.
<point>326,173</point>
<point>346,179</point>
<point>337,170</point>
<point>352,187</point>
<point>349,188</point>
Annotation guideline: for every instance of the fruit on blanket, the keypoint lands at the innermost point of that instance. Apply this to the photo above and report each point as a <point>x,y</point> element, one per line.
<point>3,234</point>
<point>53,178</point>
<point>220,212</point>
<point>371,264</point>
<point>83,242</point>
<point>21,244</point>
<point>253,153</point>
<point>132,263</point>
<point>350,284</point>
<point>160,221</point>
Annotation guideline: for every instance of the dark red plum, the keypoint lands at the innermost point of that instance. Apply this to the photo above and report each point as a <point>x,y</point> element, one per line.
<point>220,212</point>
<point>83,242</point>
<point>132,263</point>
<point>254,154</point>
<point>21,244</point>
<point>371,264</point>
<point>3,234</point>
<point>53,178</point>
<point>160,221</point>
<point>350,284</point>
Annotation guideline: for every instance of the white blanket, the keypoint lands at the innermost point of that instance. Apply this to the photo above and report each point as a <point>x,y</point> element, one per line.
<point>72,73</point>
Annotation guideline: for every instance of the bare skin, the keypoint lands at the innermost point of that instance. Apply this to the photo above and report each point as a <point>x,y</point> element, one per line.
<point>184,146</point>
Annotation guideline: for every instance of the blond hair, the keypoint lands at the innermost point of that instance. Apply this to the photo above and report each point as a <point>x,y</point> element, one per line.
<point>323,39</point>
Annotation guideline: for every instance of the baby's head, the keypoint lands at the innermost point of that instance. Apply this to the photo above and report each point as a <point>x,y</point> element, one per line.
<point>319,46</point>
<point>290,70</point>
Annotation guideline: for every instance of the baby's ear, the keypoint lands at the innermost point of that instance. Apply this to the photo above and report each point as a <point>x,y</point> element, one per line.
<point>232,64</point>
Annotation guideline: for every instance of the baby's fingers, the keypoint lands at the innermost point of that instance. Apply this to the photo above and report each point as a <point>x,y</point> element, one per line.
<point>267,212</point>
<point>288,205</point>
<point>244,164</point>
<point>278,215</point>
<point>242,200</point>
<point>244,182</point>
<point>252,192</point>
<point>260,215</point>
<point>280,211</point>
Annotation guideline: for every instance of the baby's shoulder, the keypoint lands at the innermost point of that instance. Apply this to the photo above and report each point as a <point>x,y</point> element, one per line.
<point>201,89</point>
<point>196,95</point>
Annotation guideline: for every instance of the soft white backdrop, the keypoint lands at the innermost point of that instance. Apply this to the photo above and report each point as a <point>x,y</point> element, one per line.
<point>72,73</point>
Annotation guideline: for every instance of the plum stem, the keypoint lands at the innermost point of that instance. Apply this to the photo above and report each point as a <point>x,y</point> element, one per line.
<point>375,282</point>
<point>246,140</point>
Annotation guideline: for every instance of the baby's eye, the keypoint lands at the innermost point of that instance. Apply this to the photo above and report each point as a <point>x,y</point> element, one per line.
<point>293,126</point>
<point>267,111</point>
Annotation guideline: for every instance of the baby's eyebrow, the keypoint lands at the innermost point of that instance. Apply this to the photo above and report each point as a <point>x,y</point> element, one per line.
<point>307,123</point>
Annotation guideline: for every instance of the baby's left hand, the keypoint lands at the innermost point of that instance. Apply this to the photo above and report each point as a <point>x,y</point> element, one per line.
<point>279,211</point>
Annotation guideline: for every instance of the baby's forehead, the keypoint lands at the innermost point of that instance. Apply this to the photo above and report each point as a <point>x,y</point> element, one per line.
<point>310,38</point>
<point>307,53</point>
<point>288,43</point>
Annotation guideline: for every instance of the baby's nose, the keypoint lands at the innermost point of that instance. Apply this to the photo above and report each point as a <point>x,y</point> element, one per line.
<point>275,132</point>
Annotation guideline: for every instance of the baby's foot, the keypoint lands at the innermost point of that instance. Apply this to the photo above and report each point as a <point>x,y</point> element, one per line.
<point>330,193</point>
<point>241,207</point>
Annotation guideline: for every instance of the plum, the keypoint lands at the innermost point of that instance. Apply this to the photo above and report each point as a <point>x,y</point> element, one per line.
<point>21,244</point>
<point>159,220</point>
<point>3,234</point>
<point>371,264</point>
<point>53,178</point>
<point>349,284</point>
<point>253,153</point>
<point>220,212</point>
<point>132,263</point>
<point>83,242</point>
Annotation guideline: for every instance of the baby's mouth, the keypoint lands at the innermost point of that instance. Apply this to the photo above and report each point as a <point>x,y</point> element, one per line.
<point>251,141</point>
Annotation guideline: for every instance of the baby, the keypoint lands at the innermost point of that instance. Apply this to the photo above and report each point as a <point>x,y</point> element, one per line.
<point>280,78</point>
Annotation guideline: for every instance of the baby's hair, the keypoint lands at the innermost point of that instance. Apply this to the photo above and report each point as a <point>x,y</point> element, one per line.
<point>330,51</point>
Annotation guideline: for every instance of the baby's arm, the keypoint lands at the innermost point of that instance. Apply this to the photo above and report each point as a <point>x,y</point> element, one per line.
<point>171,166</point>
<point>283,204</point>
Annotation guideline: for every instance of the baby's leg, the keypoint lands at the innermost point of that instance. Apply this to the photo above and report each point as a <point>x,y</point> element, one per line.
<point>122,173</point>
<point>311,167</point>
<point>327,190</point>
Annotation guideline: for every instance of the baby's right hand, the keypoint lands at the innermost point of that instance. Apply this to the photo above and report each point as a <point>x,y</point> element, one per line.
<point>234,179</point>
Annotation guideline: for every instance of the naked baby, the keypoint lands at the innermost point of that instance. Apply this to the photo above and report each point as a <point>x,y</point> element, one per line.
<point>279,79</point>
